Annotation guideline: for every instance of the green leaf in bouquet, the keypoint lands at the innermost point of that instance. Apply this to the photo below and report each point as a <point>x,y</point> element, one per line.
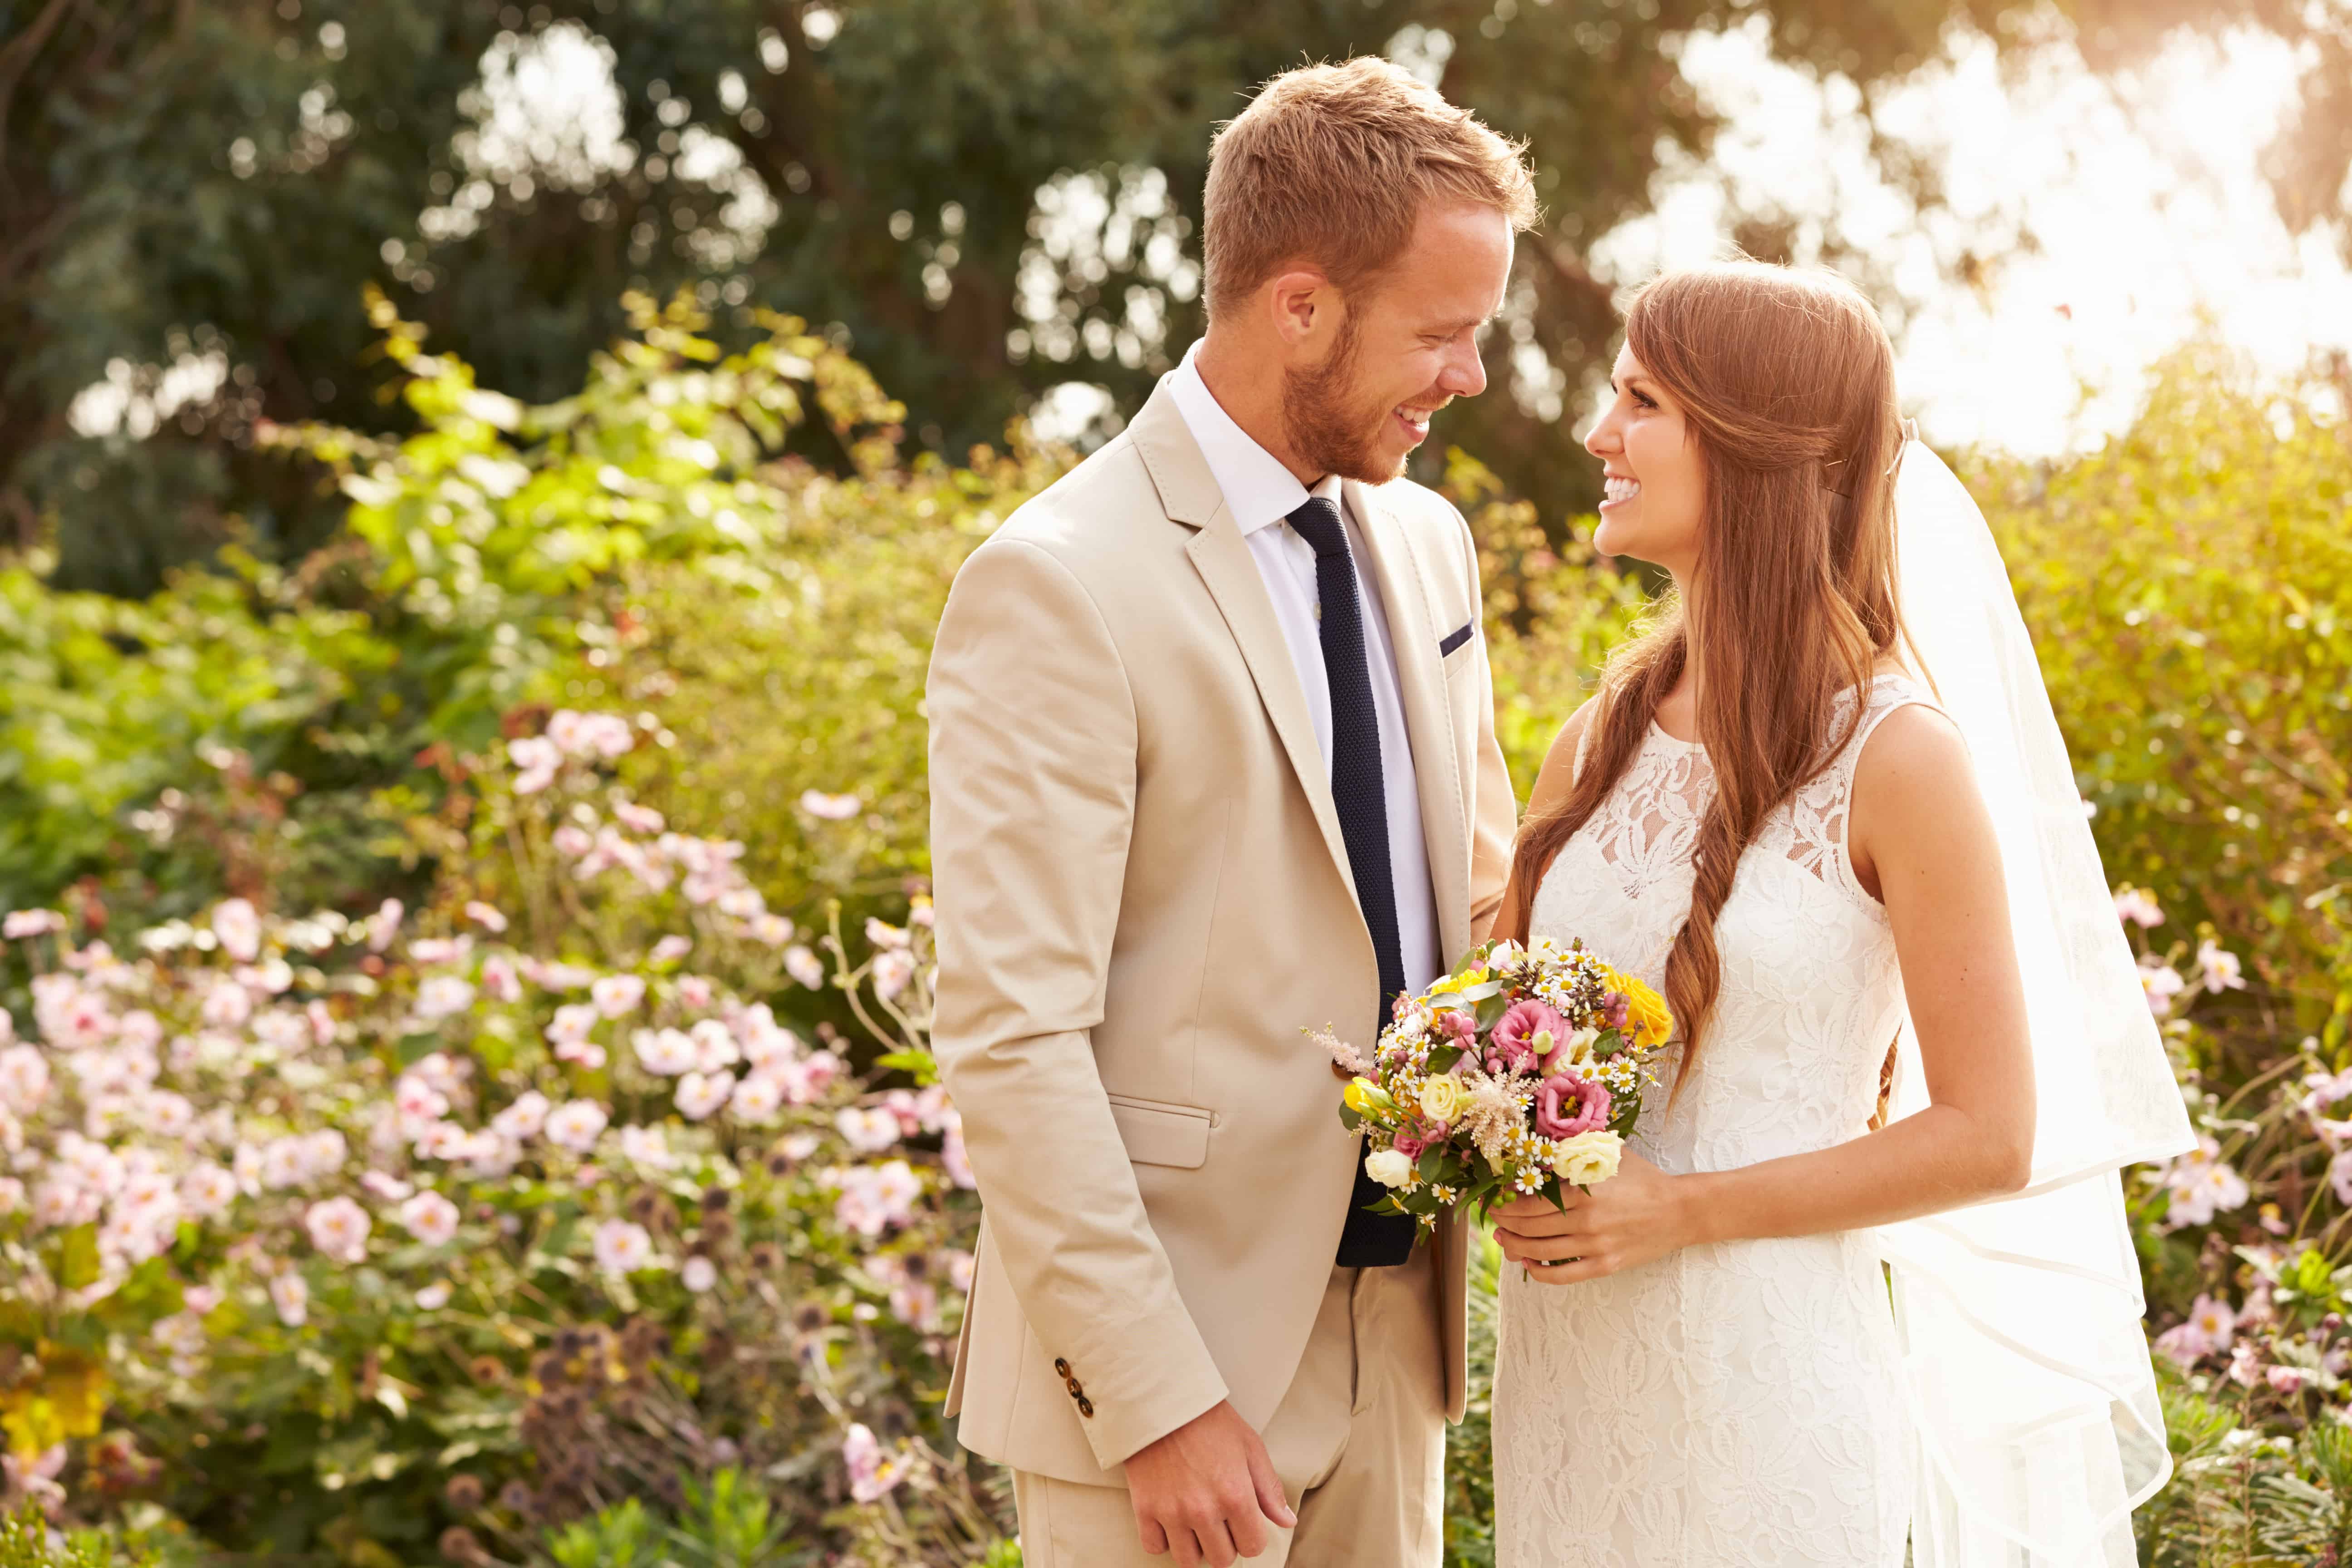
<point>1442,1057</point>
<point>1431,1162</point>
<point>1349,1118</point>
<point>1609,1044</point>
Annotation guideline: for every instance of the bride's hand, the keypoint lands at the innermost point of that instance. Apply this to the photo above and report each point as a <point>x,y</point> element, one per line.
<point>1637,1216</point>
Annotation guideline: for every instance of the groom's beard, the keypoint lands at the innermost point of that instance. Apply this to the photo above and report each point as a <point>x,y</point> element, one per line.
<point>1325,422</point>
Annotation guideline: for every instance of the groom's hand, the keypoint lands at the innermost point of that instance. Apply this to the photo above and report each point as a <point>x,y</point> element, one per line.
<point>1206,1490</point>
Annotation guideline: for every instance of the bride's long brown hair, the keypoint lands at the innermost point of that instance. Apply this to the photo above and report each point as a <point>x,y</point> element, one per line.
<point>1786,381</point>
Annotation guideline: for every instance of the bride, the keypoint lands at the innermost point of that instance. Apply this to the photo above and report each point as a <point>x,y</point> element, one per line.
<point>1863,1282</point>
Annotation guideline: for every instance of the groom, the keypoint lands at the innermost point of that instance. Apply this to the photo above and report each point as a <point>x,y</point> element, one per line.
<point>1212,763</point>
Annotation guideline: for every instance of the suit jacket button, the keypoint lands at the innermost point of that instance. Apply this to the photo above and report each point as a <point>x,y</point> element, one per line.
<point>1076,1387</point>
<point>1061,1367</point>
<point>1342,1073</point>
<point>1085,1407</point>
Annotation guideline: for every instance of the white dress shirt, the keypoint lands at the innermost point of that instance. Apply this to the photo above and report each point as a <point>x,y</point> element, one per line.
<point>1262,494</point>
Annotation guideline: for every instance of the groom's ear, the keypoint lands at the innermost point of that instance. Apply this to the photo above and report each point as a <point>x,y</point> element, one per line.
<point>1306,307</point>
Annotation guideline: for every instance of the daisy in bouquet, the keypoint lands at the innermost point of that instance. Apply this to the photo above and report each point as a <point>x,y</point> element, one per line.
<point>1518,1073</point>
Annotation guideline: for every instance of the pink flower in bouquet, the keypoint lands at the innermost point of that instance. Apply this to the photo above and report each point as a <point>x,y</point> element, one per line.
<point>1411,1147</point>
<point>1512,1046</point>
<point>1567,1105</point>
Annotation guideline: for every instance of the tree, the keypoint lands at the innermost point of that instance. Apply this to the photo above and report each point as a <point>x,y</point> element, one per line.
<point>212,185</point>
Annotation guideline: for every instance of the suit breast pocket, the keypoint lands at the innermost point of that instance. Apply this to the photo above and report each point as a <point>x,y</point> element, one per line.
<point>1455,641</point>
<point>1159,1134</point>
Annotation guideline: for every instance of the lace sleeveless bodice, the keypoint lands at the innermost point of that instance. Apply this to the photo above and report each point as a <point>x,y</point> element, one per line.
<point>1733,1404</point>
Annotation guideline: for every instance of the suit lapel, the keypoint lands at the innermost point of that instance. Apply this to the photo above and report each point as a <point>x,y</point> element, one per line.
<point>1222,556</point>
<point>1428,715</point>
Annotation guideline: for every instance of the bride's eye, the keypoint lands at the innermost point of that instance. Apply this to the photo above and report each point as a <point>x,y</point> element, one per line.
<point>1645,400</point>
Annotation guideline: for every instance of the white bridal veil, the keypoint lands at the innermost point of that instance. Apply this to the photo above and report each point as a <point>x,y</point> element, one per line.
<point>2024,1359</point>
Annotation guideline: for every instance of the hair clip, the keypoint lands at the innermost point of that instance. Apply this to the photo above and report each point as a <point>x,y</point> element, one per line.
<point>1910,434</point>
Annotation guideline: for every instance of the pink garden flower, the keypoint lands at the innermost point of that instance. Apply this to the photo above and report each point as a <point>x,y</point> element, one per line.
<point>699,1094</point>
<point>868,1130</point>
<point>24,1078</point>
<point>442,996</point>
<point>430,1218</point>
<point>756,1097</point>
<point>665,1052</point>
<point>714,1045</point>
<point>1512,1047</point>
<point>614,994</point>
<point>1567,1105</point>
<point>291,1294</point>
<point>238,927</point>
<point>2214,1322</point>
<point>829,807</point>
<point>893,968</point>
<point>338,1228</point>
<point>576,1125</point>
<point>872,1473</point>
<point>623,1246</point>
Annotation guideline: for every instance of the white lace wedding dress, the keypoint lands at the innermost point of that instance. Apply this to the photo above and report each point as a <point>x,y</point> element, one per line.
<point>1733,1404</point>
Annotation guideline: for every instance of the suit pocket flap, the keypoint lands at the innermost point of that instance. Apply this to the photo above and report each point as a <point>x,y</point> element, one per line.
<point>1158,1134</point>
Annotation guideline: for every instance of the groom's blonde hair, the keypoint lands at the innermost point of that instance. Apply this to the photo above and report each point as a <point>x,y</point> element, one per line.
<point>1331,164</point>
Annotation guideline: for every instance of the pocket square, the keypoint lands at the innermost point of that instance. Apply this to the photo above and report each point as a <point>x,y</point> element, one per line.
<point>1454,639</point>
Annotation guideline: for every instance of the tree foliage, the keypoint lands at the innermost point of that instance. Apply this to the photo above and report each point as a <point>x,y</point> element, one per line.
<point>225,179</point>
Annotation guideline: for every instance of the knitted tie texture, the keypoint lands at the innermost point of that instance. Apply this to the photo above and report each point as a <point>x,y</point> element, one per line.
<point>1359,794</point>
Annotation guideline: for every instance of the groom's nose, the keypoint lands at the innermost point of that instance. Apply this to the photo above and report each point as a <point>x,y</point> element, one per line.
<point>1464,374</point>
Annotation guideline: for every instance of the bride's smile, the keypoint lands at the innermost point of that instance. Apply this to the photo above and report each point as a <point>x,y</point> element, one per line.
<point>1652,484</point>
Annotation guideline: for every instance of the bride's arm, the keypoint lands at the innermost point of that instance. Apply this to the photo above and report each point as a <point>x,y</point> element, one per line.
<point>1919,826</point>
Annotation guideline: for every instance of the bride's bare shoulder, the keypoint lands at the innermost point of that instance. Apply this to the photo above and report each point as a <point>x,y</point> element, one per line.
<point>1914,783</point>
<point>1558,774</point>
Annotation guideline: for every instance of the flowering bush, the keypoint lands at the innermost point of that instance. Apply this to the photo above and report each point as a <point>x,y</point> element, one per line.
<point>464,1221</point>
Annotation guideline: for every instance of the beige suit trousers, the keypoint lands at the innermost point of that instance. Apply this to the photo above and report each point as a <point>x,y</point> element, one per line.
<point>1359,1441</point>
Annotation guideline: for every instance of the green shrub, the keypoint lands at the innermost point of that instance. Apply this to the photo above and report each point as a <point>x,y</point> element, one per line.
<point>2190,588</point>
<point>27,1540</point>
<point>466,1220</point>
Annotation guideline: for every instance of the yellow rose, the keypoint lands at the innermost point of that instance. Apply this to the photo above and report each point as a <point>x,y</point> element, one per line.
<point>1442,1097</point>
<point>1648,1020</point>
<point>1588,1157</point>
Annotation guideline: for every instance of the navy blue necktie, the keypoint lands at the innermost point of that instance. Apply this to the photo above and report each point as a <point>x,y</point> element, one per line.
<point>1369,1240</point>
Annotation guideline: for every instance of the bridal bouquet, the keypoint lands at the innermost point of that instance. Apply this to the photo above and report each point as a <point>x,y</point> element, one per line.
<point>1520,1071</point>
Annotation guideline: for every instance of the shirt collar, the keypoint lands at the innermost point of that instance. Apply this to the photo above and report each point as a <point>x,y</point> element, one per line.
<point>1258,490</point>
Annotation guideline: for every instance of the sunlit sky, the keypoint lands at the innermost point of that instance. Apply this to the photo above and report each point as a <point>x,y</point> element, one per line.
<point>2142,194</point>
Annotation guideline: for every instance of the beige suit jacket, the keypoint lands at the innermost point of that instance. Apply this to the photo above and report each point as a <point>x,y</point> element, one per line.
<point>1143,899</point>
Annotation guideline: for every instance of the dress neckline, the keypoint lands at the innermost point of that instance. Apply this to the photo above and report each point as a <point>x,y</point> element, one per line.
<point>1673,740</point>
<point>1676,744</point>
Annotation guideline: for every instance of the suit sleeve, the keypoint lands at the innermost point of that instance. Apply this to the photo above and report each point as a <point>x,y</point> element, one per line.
<point>1495,805</point>
<point>1033,779</point>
